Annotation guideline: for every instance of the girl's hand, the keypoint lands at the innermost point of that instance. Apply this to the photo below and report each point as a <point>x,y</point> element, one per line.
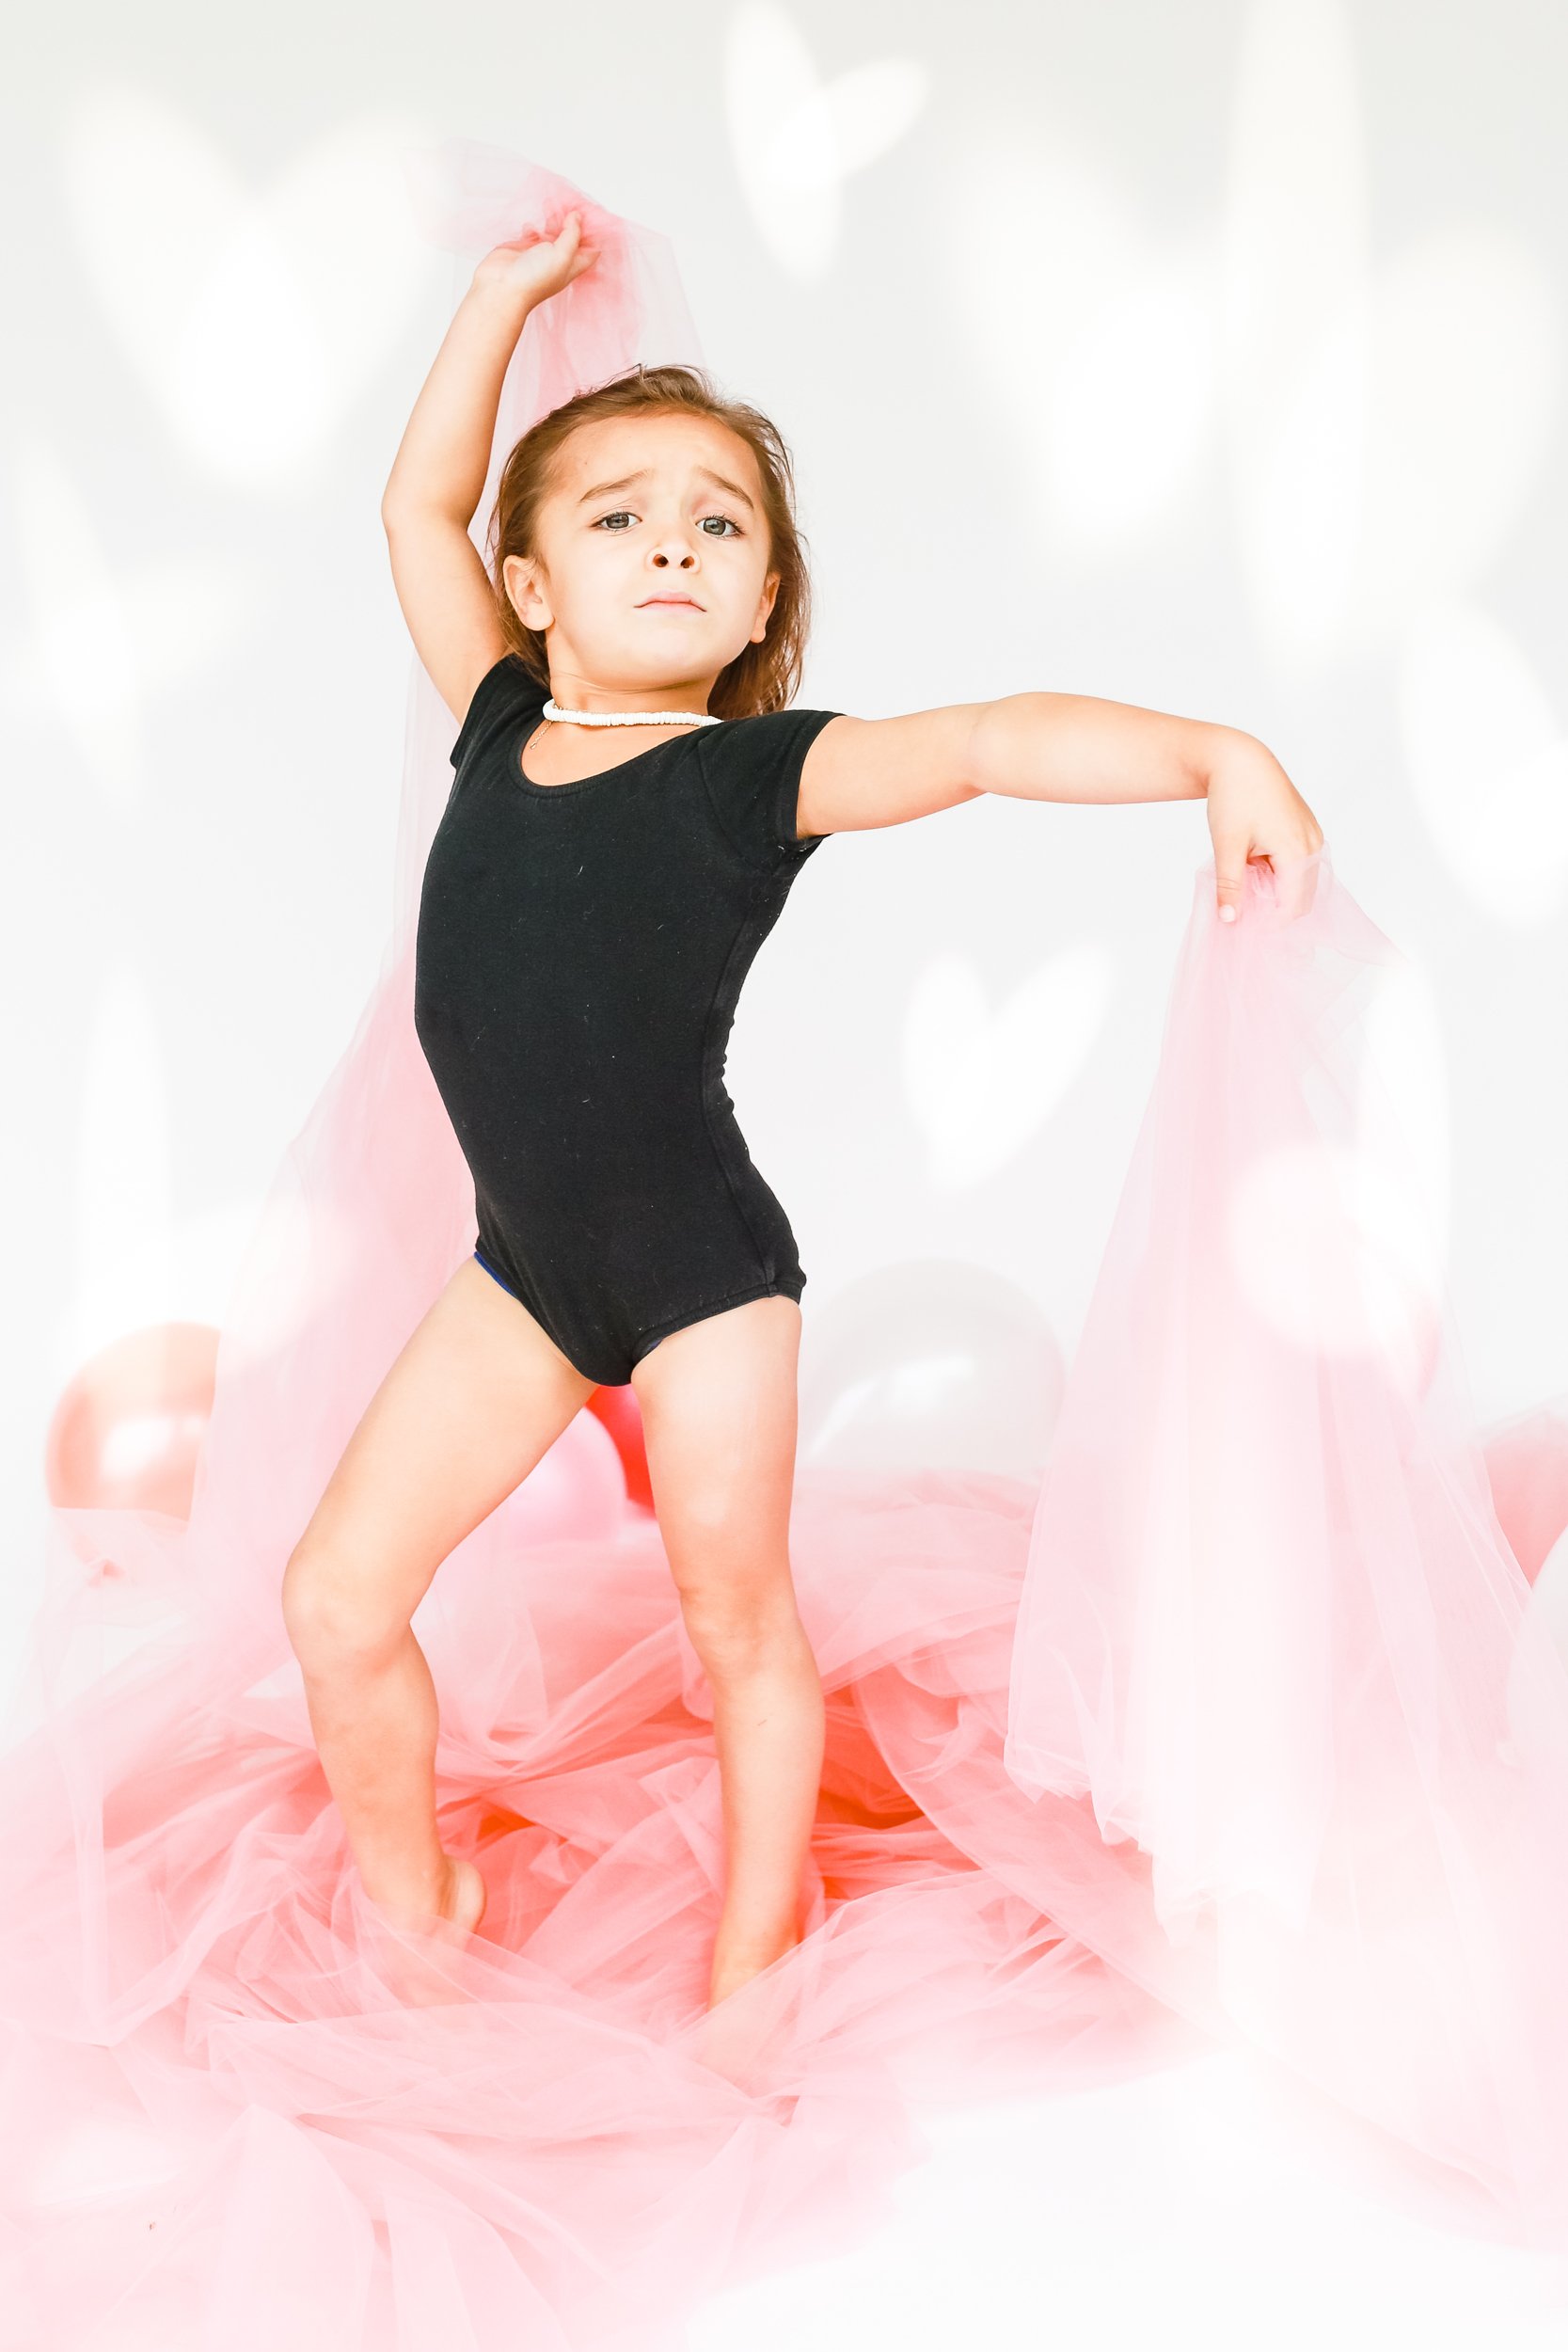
<point>1256,815</point>
<point>532,267</point>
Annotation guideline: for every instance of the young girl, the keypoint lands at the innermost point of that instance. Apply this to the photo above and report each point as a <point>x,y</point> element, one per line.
<point>590,904</point>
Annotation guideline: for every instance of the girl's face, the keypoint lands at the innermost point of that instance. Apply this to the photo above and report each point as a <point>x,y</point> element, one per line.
<point>651,565</point>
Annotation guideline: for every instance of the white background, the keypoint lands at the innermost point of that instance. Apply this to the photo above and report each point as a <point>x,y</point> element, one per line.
<point>1199,355</point>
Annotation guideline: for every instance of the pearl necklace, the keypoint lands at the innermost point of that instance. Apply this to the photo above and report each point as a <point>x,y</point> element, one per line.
<point>631,718</point>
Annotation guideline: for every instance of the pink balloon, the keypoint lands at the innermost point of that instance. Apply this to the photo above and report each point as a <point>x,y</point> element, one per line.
<point>576,1491</point>
<point>1527,1462</point>
<point>128,1429</point>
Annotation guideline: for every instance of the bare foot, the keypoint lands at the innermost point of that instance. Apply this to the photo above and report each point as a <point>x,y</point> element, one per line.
<point>736,1964</point>
<point>459,1904</point>
<point>741,2026</point>
<point>467,1896</point>
<point>414,1936</point>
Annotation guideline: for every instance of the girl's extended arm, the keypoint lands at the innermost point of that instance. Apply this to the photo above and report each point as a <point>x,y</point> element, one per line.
<point>1058,747</point>
<point>437,476</point>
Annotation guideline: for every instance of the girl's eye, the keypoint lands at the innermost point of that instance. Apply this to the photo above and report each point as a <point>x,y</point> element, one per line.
<point>623,514</point>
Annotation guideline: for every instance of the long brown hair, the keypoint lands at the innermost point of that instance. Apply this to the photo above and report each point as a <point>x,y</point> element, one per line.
<point>761,677</point>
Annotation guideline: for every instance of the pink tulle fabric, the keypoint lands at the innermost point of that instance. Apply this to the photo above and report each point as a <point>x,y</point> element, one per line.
<point>1237,1728</point>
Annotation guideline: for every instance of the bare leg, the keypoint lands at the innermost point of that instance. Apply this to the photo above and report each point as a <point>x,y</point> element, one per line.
<point>719,1409</point>
<point>477,1396</point>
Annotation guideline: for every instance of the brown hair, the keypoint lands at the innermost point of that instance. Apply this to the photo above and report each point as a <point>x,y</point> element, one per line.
<point>761,677</point>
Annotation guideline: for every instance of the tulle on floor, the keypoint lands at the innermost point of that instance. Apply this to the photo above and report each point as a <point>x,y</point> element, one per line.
<point>1238,1727</point>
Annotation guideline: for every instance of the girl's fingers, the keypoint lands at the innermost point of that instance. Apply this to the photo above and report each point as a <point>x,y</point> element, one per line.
<point>1289,863</point>
<point>1230,888</point>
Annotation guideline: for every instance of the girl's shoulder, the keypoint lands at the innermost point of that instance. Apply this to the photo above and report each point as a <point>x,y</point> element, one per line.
<point>752,769</point>
<point>507,695</point>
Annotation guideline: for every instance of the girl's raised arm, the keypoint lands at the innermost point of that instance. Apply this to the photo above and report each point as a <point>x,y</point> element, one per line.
<point>437,476</point>
<point>860,772</point>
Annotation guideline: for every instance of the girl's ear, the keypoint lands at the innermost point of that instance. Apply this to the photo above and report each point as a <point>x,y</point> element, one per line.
<point>525,591</point>
<point>765,610</point>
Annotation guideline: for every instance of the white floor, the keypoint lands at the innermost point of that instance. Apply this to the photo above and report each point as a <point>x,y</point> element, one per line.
<point>1201,2205</point>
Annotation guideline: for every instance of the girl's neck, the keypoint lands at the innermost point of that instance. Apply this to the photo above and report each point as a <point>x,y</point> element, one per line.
<point>556,713</point>
<point>564,754</point>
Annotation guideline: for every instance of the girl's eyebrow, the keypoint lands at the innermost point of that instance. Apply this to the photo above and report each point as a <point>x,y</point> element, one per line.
<point>601,489</point>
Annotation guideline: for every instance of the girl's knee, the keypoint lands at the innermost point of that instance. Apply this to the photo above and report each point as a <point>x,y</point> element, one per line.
<point>333,1614</point>
<point>737,1627</point>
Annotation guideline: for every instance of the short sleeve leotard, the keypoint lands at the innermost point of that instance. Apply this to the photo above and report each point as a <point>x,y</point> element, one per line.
<point>579,954</point>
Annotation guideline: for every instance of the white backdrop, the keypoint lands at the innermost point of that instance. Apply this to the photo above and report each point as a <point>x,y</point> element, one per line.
<point>1208,357</point>
<point>1203,358</point>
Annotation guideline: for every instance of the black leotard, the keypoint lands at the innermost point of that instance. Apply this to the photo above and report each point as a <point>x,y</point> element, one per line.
<point>579,954</point>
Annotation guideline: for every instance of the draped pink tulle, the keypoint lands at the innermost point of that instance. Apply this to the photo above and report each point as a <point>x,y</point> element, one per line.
<point>1271,1629</point>
<point>1239,1727</point>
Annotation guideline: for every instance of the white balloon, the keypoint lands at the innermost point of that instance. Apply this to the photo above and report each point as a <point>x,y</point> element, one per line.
<point>929,1362</point>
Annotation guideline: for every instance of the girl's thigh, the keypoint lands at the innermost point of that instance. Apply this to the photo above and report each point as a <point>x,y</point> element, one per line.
<point>720,1409</point>
<point>476,1396</point>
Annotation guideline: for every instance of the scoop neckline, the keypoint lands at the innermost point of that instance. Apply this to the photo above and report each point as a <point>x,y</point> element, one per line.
<point>602,775</point>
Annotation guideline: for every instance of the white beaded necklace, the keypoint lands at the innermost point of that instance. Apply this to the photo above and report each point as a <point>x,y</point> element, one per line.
<point>631,718</point>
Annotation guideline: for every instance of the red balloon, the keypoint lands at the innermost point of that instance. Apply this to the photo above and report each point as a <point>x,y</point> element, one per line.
<point>622,1416</point>
<point>127,1431</point>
